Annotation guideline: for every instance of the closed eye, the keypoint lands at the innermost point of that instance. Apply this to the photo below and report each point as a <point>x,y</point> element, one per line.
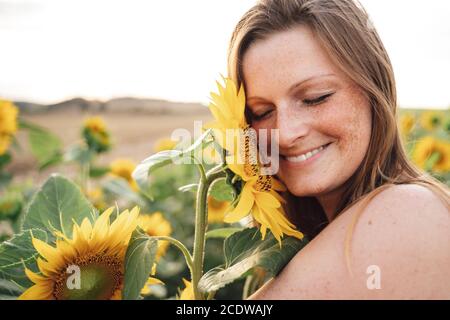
<point>258,117</point>
<point>316,101</point>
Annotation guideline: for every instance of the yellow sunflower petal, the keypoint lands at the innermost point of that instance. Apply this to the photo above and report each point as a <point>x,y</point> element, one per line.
<point>48,252</point>
<point>265,199</point>
<point>34,277</point>
<point>243,207</point>
<point>37,292</point>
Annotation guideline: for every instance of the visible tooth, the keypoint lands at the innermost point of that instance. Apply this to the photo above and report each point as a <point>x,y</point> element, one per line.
<point>305,156</point>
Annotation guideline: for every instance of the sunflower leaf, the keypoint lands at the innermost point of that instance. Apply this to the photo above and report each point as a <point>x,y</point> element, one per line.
<point>221,233</point>
<point>16,254</point>
<point>57,205</point>
<point>244,251</point>
<point>139,261</point>
<point>97,172</point>
<point>222,191</point>
<point>163,158</point>
<point>44,145</point>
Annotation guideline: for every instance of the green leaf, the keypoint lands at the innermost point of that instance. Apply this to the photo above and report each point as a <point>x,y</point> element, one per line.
<point>9,290</point>
<point>222,232</point>
<point>18,253</point>
<point>139,261</point>
<point>222,191</point>
<point>57,205</point>
<point>164,158</point>
<point>244,251</point>
<point>44,145</point>
<point>97,172</point>
<point>4,159</point>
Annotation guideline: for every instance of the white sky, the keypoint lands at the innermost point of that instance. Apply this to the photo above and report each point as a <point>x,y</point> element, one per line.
<point>175,49</point>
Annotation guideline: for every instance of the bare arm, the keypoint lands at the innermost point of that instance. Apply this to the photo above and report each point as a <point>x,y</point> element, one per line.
<point>404,231</point>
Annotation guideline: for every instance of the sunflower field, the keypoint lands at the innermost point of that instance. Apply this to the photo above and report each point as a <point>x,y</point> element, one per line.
<point>188,222</point>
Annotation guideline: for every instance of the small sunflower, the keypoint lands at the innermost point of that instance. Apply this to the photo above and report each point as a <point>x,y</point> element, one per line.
<point>123,168</point>
<point>431,120</point>
<point>8,124</point>
<point>164,144</point>
<point>96,134</point>
<point>97,250</point>
<point>259,193</point>
<point>430,149</point>
<point>407,122</point>
<point>217,210</point>
<point>156,225</point>
<point>188,292</point>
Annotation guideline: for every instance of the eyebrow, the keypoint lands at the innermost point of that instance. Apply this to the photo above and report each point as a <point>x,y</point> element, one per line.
<point>298,84</point>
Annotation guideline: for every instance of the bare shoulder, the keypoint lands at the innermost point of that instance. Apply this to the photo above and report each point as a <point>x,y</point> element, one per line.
<point>397,201</point>
<point>399,249</point>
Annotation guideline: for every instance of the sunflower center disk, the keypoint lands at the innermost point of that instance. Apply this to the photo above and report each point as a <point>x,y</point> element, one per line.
<point>94,281</point>
<point>264,183</point>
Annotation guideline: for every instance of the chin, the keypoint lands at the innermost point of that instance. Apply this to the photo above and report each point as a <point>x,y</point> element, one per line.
<point>306,188</point>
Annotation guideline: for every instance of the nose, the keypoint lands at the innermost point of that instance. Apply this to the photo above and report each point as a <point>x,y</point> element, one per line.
<point>292,126</point>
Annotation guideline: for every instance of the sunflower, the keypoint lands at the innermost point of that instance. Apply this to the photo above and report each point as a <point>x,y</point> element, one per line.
<point>228,109</point>
<point>259,193</point>
<point>156,225</point>
<point>217,210</point>
<point>164,144</point>
<point>123,168</point>
<point>406,124</point>
<point>97,250</point>
<point>188,292</point>
<point>431,120</point>
<point>432,154</point>
<point>96,134</point>
<point>8,124</point>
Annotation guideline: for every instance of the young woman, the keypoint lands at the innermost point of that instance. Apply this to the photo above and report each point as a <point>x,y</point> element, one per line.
<point>380,228</point>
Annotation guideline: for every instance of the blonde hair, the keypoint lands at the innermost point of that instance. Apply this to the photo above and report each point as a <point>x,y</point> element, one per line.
<point>346,33</point>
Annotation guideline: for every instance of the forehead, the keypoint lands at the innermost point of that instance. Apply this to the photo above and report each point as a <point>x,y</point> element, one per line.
<point>284,58</point>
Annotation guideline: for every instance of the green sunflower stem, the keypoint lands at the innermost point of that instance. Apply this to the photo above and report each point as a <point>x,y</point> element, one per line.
<point>201,218</point>
<point>181,247</point>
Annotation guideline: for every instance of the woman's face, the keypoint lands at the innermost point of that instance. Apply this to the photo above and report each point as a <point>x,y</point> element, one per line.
<point>324,119</point>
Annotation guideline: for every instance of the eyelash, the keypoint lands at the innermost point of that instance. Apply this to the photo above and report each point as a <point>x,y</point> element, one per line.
<point>308,102</point>
<point>313,102</point>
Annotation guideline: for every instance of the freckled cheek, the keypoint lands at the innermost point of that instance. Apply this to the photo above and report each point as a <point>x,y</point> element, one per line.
<point>355,134</point>
<point>349,126</point>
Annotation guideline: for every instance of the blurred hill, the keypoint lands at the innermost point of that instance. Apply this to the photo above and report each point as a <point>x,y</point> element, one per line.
<point>117,105</point>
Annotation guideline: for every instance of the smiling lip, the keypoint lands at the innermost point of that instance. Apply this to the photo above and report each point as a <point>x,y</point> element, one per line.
<point>306,156</point>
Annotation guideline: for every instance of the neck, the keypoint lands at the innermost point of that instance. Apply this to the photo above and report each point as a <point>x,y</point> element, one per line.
<point>330,201</point>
